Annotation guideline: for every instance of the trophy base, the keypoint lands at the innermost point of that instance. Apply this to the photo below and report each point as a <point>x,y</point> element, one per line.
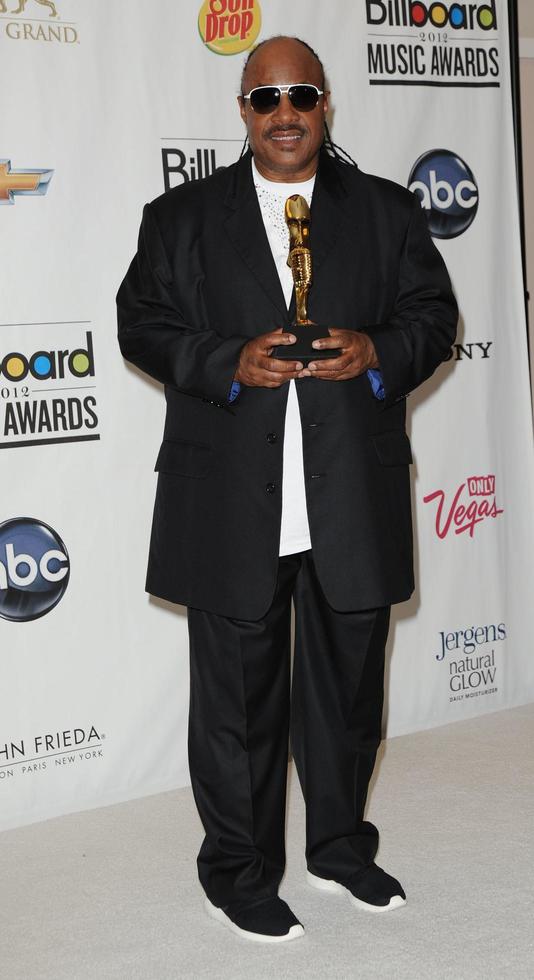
<point>302,349</point>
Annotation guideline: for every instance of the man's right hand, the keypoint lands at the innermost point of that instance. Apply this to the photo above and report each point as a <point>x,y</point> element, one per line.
<point>258,370</point>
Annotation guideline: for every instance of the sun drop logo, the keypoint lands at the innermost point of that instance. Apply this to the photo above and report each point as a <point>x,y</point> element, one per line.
<point>447,190</point>
<point>229,26</point>
<point>34,569</point>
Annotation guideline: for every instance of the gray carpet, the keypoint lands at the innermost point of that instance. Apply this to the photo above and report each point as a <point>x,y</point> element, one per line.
<point>111,894</point>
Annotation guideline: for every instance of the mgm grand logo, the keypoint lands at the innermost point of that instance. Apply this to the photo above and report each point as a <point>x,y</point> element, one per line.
<point>36,28</point>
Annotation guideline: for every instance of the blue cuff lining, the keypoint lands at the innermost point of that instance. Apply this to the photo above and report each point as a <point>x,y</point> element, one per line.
<point>373,374</point>
<point>375,377</point>
<point>234,391</point>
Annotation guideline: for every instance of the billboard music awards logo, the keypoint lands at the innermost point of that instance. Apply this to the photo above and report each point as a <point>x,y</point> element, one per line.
<point>44,395</point>
<point>50,750</point>
<point>36,20</point>
<point>34,569</point>
<point>473,503</point>
<point>25,182</point>
<point>448,44</point>
<point>471,657</point>
<point>186,159</point>
<point>229,26</point>
<point>448,192</point>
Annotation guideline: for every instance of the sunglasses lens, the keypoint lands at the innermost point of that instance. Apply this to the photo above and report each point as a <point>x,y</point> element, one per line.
<point>303,97</point>
<point>265,99</point>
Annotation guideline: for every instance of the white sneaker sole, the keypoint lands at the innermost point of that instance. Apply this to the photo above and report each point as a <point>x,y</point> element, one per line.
<point>334,887</point>
<point>256,937</point>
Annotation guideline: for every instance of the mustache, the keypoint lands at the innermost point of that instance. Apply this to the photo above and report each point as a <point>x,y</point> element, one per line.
<point>293,128</point>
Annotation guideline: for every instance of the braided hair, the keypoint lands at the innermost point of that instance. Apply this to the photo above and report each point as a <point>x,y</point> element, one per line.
<point>331,148</point>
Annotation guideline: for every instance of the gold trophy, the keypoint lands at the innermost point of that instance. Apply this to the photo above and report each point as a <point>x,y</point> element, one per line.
<point>297,214</point>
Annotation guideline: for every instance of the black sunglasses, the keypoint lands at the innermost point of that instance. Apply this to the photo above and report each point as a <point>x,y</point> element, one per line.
<point>266,98</point>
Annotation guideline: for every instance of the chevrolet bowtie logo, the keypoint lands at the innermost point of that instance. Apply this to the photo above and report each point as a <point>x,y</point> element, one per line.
<point>26,182</point>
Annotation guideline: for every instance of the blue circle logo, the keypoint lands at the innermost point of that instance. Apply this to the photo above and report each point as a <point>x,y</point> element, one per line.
<point>34,569</point>
<point>447,190</point>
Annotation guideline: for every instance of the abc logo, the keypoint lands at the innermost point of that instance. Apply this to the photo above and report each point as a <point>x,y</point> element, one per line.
<point>34,569</point>
<point>447,190</point>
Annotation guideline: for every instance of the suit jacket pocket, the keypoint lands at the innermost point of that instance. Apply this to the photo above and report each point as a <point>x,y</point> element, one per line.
<point>393,448</point>
<point>182,458</point>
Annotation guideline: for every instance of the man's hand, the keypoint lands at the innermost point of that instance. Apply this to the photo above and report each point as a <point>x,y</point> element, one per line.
<point>258,370</point>
<point>357,356</point>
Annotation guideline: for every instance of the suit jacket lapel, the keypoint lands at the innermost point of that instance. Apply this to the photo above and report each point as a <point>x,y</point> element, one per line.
<point>328,215</point>
<point>327,218</point>
<point>245,228</point>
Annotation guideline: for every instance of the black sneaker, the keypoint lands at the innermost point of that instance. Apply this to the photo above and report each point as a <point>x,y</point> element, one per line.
<point>371,889</point>
<point>269,920</point>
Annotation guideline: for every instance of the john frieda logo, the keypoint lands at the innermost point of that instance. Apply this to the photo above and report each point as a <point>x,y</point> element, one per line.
<point>448,192</point>
<point>24,182</point>
<point>34,569</point>
<point>47,751</point>
<point>432,43</point>
<point>36,20</point>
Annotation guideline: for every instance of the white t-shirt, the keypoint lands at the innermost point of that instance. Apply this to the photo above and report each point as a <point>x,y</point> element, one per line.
<point>295,531</point>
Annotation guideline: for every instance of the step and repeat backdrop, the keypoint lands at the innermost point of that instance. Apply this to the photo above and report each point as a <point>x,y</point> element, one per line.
<point>103,107</point>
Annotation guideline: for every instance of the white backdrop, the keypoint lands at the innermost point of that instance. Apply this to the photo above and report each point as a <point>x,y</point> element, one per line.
<point>100,97</point>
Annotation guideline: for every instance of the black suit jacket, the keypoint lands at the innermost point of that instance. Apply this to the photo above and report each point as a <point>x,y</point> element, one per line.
<point>202,284</point>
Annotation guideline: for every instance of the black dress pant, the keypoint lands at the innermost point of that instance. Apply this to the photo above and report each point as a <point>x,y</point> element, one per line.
<point>241,714</point>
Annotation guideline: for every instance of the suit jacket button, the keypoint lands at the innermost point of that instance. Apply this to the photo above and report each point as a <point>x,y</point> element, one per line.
<point>271,437</point>
<point>270,488</point>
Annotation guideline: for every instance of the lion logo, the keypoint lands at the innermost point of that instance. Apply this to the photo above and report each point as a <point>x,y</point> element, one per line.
<point>22,5</point>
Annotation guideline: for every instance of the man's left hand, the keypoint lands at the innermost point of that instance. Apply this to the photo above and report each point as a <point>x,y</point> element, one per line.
<point>357,356</point>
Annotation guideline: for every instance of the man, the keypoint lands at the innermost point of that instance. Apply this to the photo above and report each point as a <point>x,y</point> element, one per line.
<point>279,480</point>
